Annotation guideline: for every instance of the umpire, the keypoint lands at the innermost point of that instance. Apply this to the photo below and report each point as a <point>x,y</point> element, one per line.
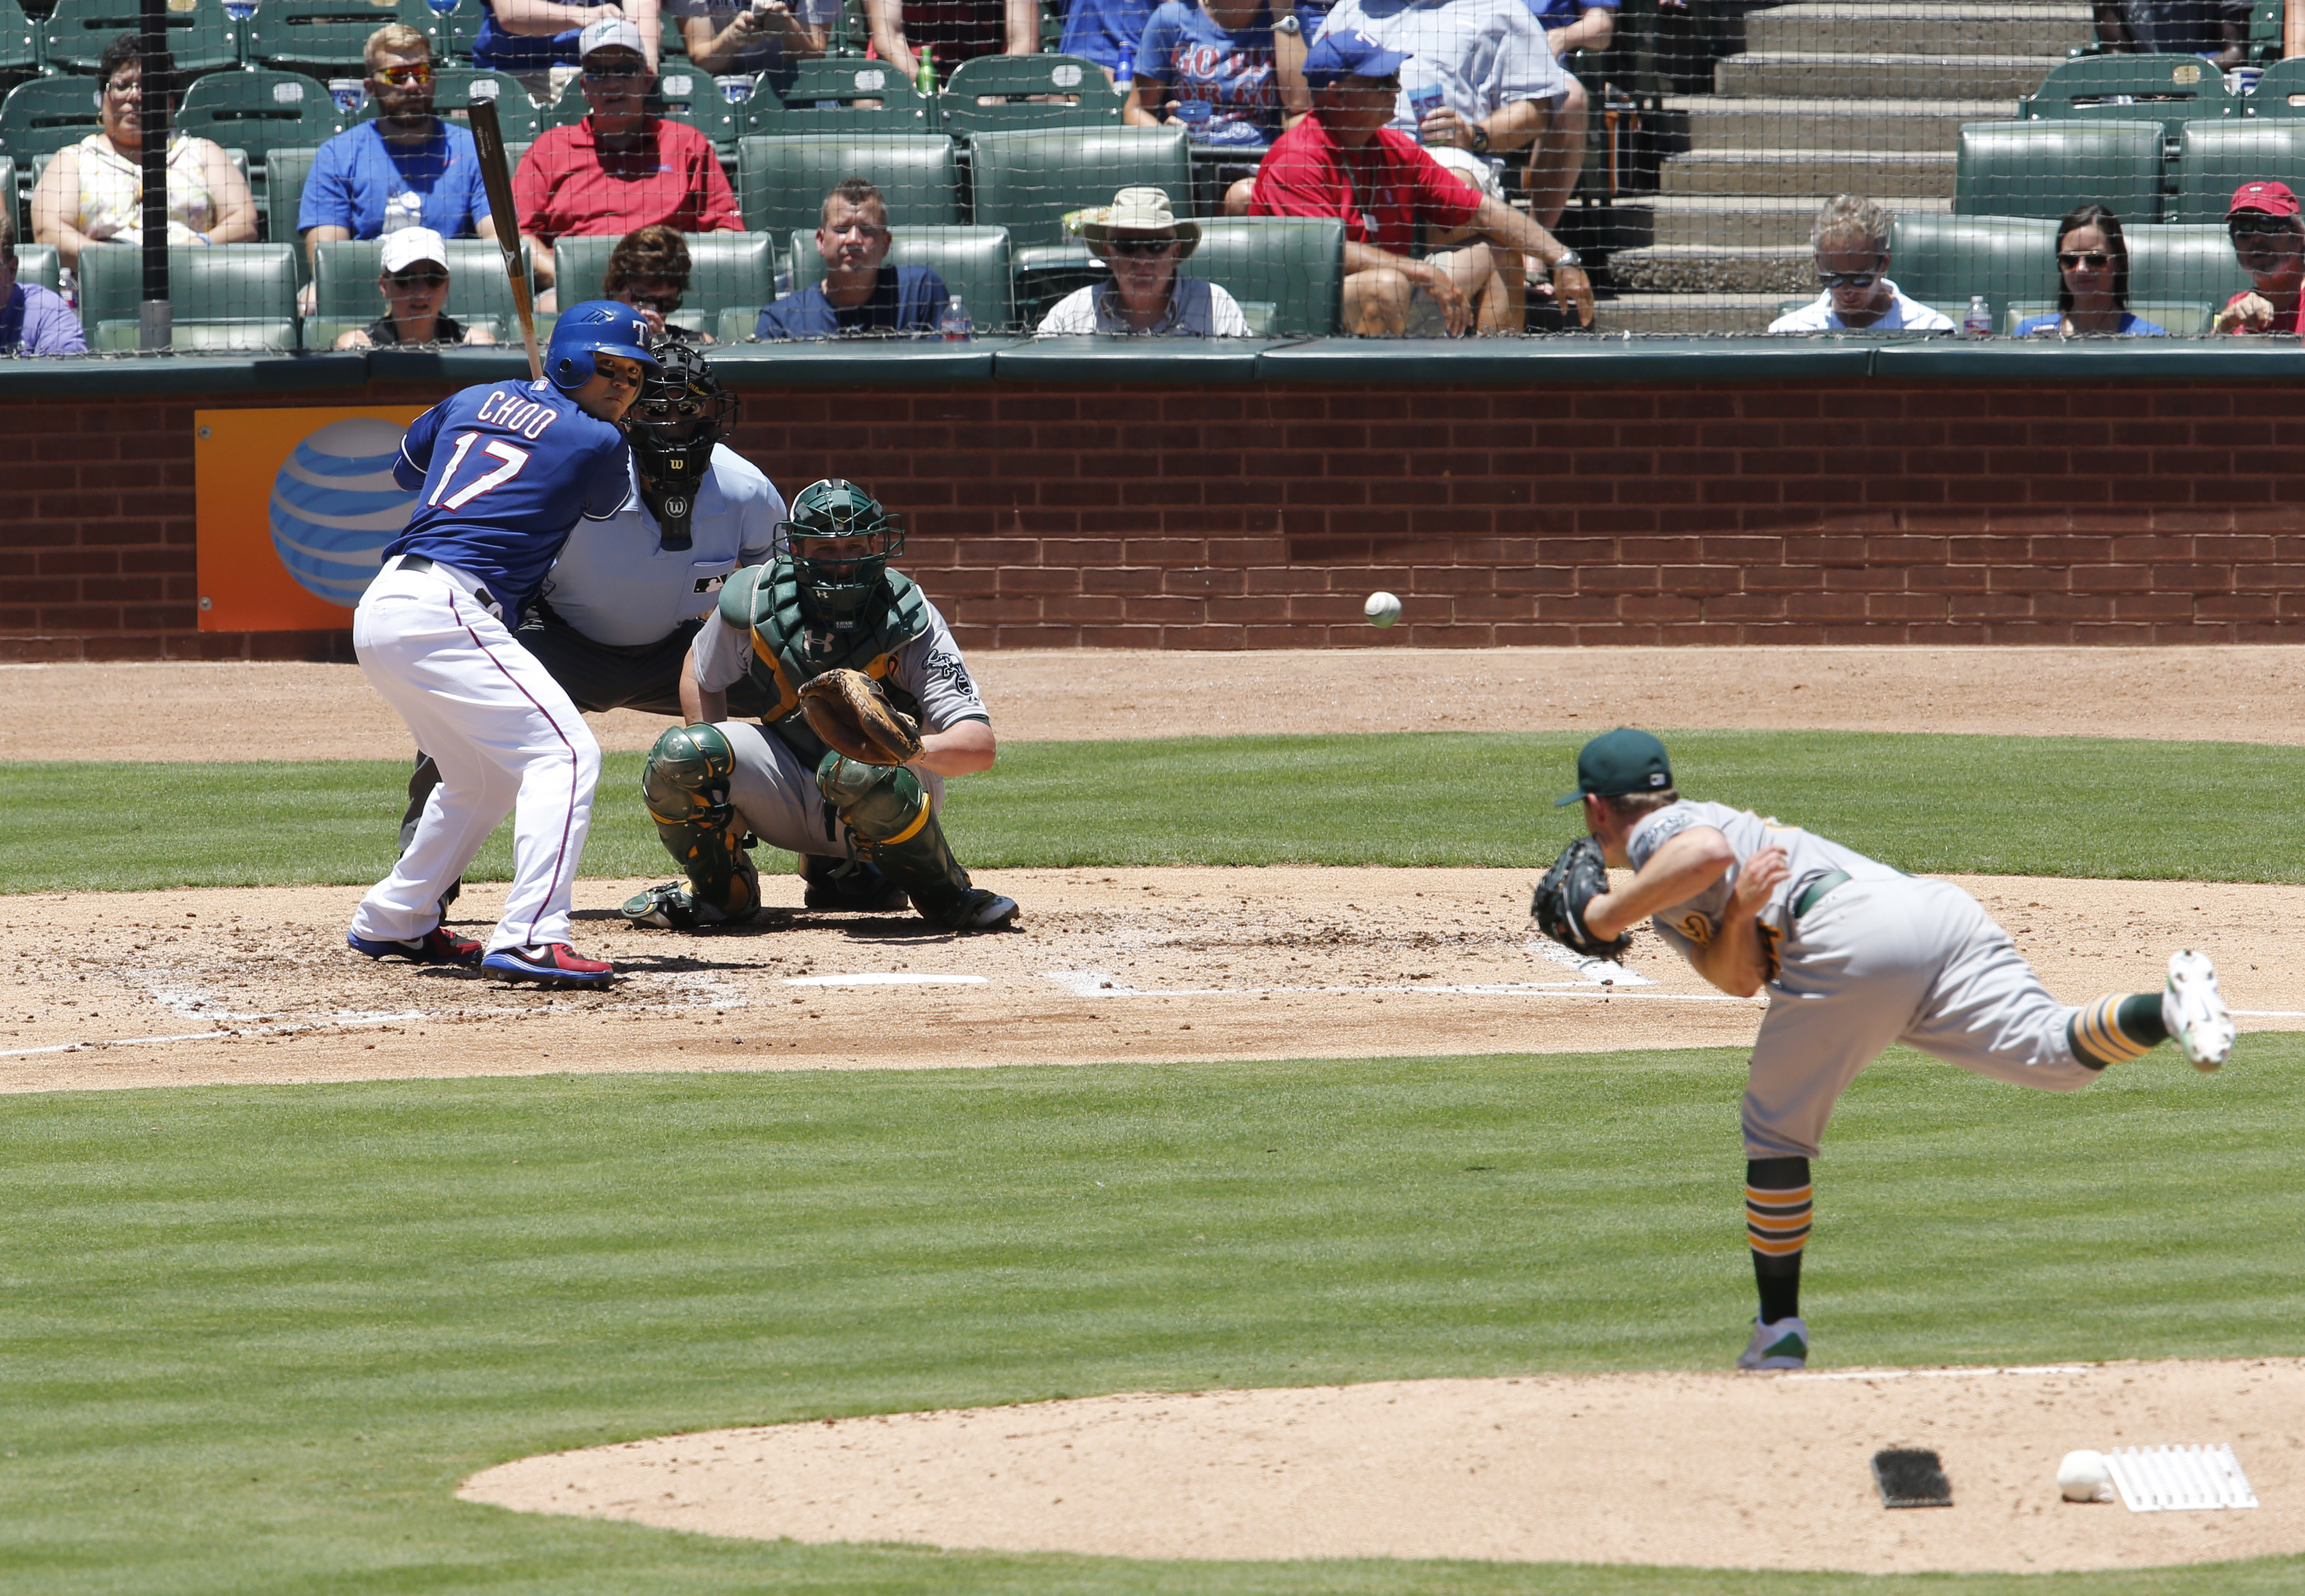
<point>613,620</point>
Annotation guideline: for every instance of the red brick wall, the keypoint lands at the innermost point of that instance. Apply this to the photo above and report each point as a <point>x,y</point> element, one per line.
<point>1259,517</point>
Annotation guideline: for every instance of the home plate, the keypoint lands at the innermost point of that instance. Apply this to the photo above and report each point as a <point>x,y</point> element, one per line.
<point>891,979</point>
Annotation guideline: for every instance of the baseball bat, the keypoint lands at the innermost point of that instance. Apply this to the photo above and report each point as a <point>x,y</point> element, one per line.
<point>495,177</point>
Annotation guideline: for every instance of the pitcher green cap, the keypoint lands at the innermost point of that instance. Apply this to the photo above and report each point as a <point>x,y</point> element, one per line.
<point>1618,762</point>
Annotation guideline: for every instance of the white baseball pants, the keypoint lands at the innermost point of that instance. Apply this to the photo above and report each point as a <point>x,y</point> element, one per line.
<point>507,740</point>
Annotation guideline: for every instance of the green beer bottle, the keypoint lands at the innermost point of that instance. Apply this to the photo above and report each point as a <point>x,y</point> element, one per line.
<point>928,71</point>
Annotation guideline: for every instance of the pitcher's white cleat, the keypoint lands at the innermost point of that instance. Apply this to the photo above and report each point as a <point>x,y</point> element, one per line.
<point>2196,1017</point>
<point>1780,1344</point>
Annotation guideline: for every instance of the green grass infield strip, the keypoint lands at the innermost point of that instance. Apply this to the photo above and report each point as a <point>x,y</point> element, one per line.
<point>1995,805</point>
<point>254,1336</point>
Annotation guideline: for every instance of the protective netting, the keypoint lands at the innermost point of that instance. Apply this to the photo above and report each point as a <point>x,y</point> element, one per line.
<point>1719,166</point>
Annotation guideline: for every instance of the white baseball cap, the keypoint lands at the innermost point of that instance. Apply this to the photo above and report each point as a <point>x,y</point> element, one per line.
<point>610,33</point>
<point>406,248</point>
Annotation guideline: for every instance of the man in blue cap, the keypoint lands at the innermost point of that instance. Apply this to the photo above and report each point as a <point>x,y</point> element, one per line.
<point>1342,161</point>
<point>1854,956</point>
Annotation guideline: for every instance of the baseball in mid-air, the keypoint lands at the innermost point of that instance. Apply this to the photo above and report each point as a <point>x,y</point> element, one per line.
<point>1382,609</point>
<point>2083,1477</point>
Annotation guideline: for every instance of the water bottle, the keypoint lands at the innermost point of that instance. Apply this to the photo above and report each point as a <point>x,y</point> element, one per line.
<point>444,8</point>
<point>1124,71</point>
<point>954,326</point>
<point>784,281</point>
<point>240,10</point>
<point>928,72</point>
<point>348,94</point>
<point>1976,321</point>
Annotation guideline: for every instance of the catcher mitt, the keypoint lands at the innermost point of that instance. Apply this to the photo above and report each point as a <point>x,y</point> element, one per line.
<point>1576,878</point>
<point>852,713</point>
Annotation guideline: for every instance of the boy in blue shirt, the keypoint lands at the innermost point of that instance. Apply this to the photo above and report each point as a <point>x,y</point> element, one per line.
<point>505,471</point>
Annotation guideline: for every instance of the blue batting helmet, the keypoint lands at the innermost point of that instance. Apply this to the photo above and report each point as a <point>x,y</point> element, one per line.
<point>596,326</point>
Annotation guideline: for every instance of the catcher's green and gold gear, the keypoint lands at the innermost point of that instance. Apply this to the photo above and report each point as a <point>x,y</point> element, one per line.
<point>764,603</point>
<point>851,713</point>
<point>1576,878</point>
<point>840,541</point>
<point>892,824</point>
<point>685,785</point>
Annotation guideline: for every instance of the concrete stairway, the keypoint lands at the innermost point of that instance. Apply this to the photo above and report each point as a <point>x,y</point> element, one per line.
<point>1863,96</point>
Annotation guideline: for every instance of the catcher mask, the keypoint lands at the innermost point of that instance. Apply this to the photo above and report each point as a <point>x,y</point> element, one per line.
<point>682,413</point>
<point>839,541</point>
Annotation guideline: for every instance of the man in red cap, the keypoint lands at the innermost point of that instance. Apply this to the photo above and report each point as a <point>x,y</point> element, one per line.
<point>2268,238</point>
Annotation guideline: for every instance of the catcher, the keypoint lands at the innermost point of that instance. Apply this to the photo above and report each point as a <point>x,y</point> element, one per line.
<point>1854,956</point>
<point>870,709</point>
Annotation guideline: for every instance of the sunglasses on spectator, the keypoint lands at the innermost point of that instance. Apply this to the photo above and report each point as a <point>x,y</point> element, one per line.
<point>2095,260</point>
<point>2258,226</point>
<point>1848,279</point>
<point>405,77</point>
<point>1140,249</point>
<point>431,277</point>
<point>664,303</point>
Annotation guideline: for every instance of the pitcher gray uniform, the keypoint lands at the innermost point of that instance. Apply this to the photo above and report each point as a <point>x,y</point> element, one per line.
<point>1875,957</point>
<point>773,788</point>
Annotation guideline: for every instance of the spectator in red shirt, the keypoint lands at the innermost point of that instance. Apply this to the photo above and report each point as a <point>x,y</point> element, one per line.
<point>1342,161</point>
<point>620,169</point>
<point>2268,239</point>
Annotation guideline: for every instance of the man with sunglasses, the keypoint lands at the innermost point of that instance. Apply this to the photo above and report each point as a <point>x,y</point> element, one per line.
<point>861,291</point>
<point>1850,240</point>
<point>2268,239</point>
<point>623,168</point>
<point>1140,238</point>
<point>406,168</point>
<point>414,283</point>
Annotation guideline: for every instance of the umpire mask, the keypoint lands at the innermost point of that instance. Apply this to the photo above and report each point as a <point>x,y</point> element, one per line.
<point>839,541</point>
<point>682,413</point>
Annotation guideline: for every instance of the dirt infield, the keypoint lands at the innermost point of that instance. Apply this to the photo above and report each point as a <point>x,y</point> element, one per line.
<point>1679,1470</point>
<point>2240,695</point>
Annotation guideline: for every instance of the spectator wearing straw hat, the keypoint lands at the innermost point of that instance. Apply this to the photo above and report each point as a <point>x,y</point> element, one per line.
<point>1140,238</point>
<point>413,278</point>
<point>2268,239</point>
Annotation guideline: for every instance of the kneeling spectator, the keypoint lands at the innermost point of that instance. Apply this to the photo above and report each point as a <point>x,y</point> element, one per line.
<point>860,293</point>
<point>1140,238</point>
<point>1850,240</point>
<point>1342,161</point>
<point>649,271</point>
<point>414,283</point>
<point>2268,239</point>
<point>2092,281</point>
<point>33,319</point>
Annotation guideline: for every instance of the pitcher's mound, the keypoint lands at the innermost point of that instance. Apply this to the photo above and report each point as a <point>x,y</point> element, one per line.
<point>1694,1470</point>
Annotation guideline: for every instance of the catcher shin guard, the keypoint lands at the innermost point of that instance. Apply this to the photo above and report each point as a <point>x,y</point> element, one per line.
<point>685,785</point>
<point>888,814</point>
<point>1778,1201</point>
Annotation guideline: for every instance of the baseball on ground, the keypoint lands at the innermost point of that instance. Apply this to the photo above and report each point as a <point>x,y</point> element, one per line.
<point>2083,1477</point>
<point>1382,609</point>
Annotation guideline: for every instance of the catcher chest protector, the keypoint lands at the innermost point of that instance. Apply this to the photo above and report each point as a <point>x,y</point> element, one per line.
<point>765,602</point>
<point>686,786</point>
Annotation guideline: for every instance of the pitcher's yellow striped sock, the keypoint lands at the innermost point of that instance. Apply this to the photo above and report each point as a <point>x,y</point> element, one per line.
<point>1778,1201</point>
<point>2116,1029</point>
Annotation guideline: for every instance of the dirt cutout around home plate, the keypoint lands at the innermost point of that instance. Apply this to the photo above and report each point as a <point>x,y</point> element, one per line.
<point>1674,1469</point>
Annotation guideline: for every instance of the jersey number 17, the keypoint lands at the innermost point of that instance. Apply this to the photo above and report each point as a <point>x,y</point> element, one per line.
<point>512,456</point>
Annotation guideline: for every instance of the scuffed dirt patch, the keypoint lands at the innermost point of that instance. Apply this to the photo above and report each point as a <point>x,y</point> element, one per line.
<point>1688,1470</point>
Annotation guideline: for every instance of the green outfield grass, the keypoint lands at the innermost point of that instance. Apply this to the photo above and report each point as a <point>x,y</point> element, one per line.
<point>254,1336</point>
<point>2040,806</point>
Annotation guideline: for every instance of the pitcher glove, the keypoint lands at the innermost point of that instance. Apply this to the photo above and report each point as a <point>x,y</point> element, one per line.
<point>1576,878</point>
<point>852,713</point>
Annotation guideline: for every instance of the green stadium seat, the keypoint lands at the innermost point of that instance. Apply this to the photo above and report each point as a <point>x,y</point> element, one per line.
<point>1027,91</point>
<point>2179,318</point>
<point>781,180</point>
<point>201,38</point>
<point>19,42</point>
<point>727,270</point>
<point>453,88</point>
<point>325,37</point>
<point>1026,181</point>
<point>8,196</point>
<point>2219,156</point>
<point>2281,92</point>
<point>286,171</point>
<point>1293,265</point>
<point>2184,263</point>
<point>321,332</point>
<point>695,98</point>
<point>973,261</point>
<point>228,334</point>
<point>823,96</point>
<point>46,114</point>
<point>2046,169</point>
<point>38,263</point>
<point>344,274</point>
<point>1942,260</point>
<point>220,283</point>
<point>256,110</point>
<point>2176,89</point>
<point>2265,31</point>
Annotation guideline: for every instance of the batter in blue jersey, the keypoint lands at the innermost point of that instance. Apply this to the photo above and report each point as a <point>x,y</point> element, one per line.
<point>504,470</point>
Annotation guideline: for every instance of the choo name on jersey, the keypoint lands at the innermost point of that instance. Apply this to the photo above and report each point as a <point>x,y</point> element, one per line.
<point>525,416</point>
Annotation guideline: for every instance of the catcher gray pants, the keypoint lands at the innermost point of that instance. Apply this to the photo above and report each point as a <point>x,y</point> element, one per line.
<point>777,796</point>
<point>1906,960</point>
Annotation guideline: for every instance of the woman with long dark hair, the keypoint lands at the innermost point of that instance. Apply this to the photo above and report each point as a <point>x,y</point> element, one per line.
<point>2092,281</point>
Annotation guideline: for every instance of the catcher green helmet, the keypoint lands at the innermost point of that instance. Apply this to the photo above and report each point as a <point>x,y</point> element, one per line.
<point>840,540</point>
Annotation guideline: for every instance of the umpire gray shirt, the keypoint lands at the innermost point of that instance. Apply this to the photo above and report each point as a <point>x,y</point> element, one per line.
<point>615,583</point>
